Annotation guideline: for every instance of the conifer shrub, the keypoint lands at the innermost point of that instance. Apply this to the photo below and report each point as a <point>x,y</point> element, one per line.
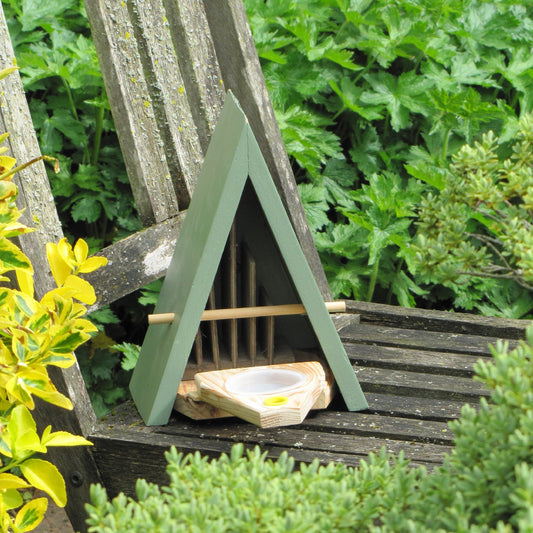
<point>485,484</point>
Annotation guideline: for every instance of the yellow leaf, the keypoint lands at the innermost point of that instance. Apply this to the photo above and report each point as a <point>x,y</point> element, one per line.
<point>12,498</point>
<point>81,249</point>
<point>9,481</point>
<point>85,325</point>
<point>63,438</point>
<point>92,263</point>
<point>25,282</point>
<point>23,434</point>
<point>81,290</point>
<point>16,388</point>
<point>60,268</point>
<point>65,250</point>
<point>45,476</point>
<point>31,515</point>
<point>6,163</point>
<point>54,397</point>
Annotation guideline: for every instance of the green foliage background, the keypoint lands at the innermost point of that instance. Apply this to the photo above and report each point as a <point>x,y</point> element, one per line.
<point>373,97</point>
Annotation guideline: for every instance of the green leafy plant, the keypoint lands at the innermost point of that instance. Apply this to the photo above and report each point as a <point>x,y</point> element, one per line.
<point>70,112</point>
<point>368,92</point>
<point>33,335</point>
<point>478,225</point>
<point>484,485</point>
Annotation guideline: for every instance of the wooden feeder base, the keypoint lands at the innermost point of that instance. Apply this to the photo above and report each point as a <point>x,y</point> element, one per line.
<point>207,397</point>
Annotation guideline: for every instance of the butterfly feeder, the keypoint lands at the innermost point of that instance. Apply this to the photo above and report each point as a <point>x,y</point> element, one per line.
<point>240,327</point>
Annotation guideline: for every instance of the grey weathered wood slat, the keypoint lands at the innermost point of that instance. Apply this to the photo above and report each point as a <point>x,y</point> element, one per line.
<point>366,424</point>
<point>415,360</point>
<point>443,321</point>
<point>329,422</point>
<point>35,194</point>
<point>411,338</point>
<point>416,407</point>
<point>135,261</point>
<point>198,63</point>
<point>405,383</point>
<point>186,87</point>
<point>129,95</point>
<point>36,197</point>
<point>304,438</point>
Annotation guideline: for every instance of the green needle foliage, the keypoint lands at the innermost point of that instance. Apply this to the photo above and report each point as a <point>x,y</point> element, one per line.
<point>479,224</point>
<point>485,484</point>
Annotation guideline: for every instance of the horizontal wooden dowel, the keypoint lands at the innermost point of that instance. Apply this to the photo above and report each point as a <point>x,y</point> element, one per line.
<point>249,312</point>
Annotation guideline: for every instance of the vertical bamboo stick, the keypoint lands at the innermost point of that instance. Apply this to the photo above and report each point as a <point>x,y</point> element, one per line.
<point>250,301</point>
<point>232,294</point>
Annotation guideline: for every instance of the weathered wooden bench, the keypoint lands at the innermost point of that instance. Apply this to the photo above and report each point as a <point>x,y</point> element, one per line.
<point>167,65</point>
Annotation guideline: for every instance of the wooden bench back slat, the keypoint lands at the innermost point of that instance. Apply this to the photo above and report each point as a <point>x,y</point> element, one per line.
<point>198,63</point>
<point>128,91</point>
<point>184,81</point>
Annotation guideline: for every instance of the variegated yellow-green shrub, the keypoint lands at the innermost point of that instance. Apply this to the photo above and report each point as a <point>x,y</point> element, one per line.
<point>33,335</point>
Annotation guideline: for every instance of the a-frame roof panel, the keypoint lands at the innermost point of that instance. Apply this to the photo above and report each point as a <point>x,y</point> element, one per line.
<point>233,158</point>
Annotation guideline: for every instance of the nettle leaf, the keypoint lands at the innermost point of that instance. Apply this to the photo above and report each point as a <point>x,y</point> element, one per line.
<point>350,95</point>
<point>315,205</point>
<point>34,11</point>
<point>398,94</point>
<point>367,150</point>
<point>87,208</point>
<point>63,121</point>
<point>307,140</point>
<point>130,354</point>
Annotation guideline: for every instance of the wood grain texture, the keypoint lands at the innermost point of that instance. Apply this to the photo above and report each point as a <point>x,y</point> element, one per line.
<point>438,321</point>
<point>413,390</point>
<point>292,408</point>
<point>135,261</point>
<point>132,104</point>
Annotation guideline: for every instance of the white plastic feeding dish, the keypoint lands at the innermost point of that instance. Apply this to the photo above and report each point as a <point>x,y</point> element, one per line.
<point>265,381</point>
<point>268,396</point>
